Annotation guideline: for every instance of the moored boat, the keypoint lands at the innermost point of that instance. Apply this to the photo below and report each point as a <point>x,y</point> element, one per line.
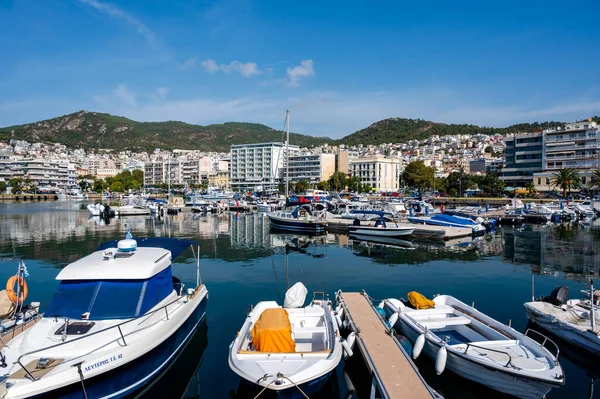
<point>449,221</point>
<point>380,228</point>
<point>290,348</point>
<point>298,220</point>
<point>117,319</point>
<point>473,345</point>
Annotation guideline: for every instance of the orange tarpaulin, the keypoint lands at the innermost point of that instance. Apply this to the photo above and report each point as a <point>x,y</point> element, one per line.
<point>419,301</point>
<point>273,332</point>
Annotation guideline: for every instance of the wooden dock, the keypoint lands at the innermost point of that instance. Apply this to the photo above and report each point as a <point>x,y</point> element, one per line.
<point>394,373</point>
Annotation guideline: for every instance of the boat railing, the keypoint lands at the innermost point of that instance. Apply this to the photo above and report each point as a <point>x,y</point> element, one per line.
<point>546,339</point>
<point>491,350</point>
<point>116,326</point>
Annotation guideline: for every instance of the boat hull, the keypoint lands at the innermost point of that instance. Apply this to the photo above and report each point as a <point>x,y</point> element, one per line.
<point>500,381</point>
<point>248,389</point>
<point>307,226</point>
<point>389,232</point>
<point>573,336</point>
<point>135,375</point>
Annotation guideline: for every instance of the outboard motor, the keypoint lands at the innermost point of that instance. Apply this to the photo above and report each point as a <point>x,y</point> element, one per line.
<point>558,296</point>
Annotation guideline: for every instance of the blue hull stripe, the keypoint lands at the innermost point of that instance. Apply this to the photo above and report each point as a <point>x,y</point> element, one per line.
<point>134,375</point>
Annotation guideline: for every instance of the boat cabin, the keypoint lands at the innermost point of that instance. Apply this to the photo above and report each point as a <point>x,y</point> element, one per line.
<point>119,282</point>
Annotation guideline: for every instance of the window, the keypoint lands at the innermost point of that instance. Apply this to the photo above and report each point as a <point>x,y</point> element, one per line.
<point>539,181</point>
<point>547,181</point>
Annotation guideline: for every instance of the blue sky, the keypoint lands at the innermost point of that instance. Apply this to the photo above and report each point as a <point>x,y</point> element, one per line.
<point>338,65</point>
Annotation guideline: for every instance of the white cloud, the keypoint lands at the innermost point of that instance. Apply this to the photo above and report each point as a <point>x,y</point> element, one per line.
<point>125,96</point>
<point>331,113</point>
<point>162,92</point>
<point>305,69</point>
<point>210,66</point>
<point>189,63</point>
<point>116,12</point>
<point>245,69</point>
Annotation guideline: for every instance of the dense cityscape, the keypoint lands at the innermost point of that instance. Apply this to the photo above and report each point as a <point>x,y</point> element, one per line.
<point>525,160</point>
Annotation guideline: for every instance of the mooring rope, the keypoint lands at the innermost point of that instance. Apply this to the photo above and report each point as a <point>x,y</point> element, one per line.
<point>279,375</point>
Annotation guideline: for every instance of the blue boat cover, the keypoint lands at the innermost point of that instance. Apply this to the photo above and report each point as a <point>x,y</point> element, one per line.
<point>175,245</point>
<point>109,299</point>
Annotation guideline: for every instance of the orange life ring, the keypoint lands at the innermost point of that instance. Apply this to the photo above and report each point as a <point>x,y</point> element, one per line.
<point>10,290</point>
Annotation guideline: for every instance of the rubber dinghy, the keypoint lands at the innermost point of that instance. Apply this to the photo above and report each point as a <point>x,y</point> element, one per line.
<point>469,343</point>
<point>288,349</point>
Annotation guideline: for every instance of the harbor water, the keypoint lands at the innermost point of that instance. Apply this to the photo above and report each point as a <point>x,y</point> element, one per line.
<point>243,263</point>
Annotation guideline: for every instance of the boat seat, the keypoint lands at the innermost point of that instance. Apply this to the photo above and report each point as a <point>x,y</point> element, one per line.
<point>443,321</point>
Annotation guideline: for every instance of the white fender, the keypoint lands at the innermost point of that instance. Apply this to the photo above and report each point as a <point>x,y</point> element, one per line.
<point>440,360</point>
<point>345,324</point>
<point>338,319</point>
<point>393,319</point>
<point>338,308</point>
<point>351,339</point>
<point>381,304</point>
<point>418,348</point>
<point>347,347</point>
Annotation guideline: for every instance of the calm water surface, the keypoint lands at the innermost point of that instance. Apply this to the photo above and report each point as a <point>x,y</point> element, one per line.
<point>242,263</point>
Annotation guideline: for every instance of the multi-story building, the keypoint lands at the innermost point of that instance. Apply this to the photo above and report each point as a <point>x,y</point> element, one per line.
<point>344,160</point>
<point>41,172</point>
<point>523,156</point>
<point>311,167</point>
<point>219,179</point>
<point>485,165</point>
<point>254,165</point>
<point>380,173</point>
<point>575,146</point>
<point>154,173</point>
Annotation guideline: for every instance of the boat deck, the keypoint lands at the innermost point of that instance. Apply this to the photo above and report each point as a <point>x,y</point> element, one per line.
<point>395,373</point>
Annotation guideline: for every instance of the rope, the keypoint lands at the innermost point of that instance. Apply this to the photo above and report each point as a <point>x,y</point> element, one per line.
<point>279,375</point>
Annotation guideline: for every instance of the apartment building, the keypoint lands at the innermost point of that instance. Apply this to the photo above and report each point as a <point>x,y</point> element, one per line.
<point>380,173</point>
<point>485,165</point>
<point>575,146</point>
<point>523,157</point>
<point>311,167</point>
<point>41,172</point>
<point>344,160</point>
<point>260,164</point>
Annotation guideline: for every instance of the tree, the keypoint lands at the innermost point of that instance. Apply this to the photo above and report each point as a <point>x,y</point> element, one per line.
<point>323,185</point>
<point>302,185</point>
<point>417,175</point>
<point>595,180</point>
<point>365,188</point>
<point>84,185</point>
<point>2,187</point>
<point>566,179</point>
<point>138,175</point>
<point>353,184</point>
<point>531,188</point>
<point>116,187</point>
<point>337,181</point>
<point>16,185</point>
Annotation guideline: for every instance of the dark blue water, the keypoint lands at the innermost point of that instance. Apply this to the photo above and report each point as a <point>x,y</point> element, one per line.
<point>242,263</point>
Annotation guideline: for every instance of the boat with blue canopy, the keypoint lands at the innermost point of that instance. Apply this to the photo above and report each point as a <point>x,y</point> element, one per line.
<point>378,228</point>
<point>117,319</point>
<point>449,221</point>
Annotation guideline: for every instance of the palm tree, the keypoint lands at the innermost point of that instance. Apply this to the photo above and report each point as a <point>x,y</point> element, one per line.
<point>531,188</point>
<point>566,179</point>
<point>595,180</point>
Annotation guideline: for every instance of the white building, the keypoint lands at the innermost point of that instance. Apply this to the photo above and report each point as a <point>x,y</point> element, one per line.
<point>261,164</point>
<point>312,167</point>
<point>380,173</point>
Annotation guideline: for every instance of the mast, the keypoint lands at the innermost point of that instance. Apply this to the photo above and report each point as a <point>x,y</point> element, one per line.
<point>287,150</point>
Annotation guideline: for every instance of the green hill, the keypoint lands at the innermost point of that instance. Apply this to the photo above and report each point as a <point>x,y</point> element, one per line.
<point>93,130</point>
<point>401,130</point>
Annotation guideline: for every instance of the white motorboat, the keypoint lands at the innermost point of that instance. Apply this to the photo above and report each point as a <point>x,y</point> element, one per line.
<point>117,319</point>
<point>380,228</point>
<point>467,342</point>
<point>449,221</point>
<point>282,348</point>
<point>569,319</point>
<point>132,205</point>
<point>101,210</point>
<point>298,220</point>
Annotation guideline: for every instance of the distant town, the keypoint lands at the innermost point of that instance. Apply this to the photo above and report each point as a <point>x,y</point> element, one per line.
<point>528,160</point>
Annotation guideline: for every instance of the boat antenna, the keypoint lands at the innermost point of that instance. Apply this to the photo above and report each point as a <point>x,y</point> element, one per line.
<point>287,150</point>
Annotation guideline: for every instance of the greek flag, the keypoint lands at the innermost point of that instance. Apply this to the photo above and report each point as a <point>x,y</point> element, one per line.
<point>128,235</point>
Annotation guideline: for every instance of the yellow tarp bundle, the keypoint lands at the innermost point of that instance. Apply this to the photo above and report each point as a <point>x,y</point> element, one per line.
<point>419,301</point>
<point>273,332</point>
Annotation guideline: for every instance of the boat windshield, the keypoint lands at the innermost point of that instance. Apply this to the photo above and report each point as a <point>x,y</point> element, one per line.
<point>109,299</point>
